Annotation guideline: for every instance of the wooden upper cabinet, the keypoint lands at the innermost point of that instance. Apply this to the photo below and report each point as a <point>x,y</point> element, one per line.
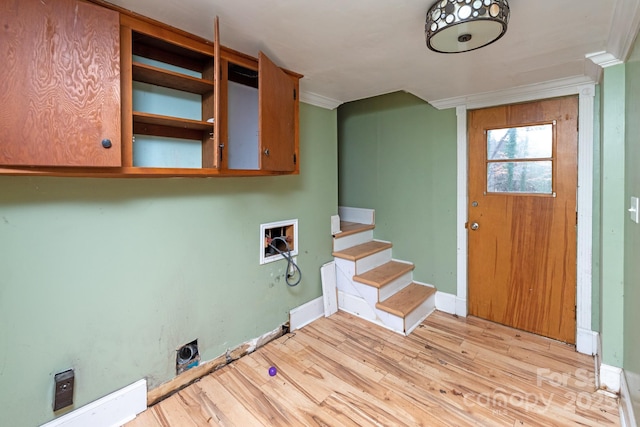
<point>277,117</point>
<point>91,89</point>
<point>60,84</point>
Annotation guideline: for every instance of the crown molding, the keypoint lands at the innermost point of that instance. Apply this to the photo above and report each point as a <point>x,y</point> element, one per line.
<point>603,59</point>
<point>624,28</point>
<point>550,89</point>
<point>319,100</point>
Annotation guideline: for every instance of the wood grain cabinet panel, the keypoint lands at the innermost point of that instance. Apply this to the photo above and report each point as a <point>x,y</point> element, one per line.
<point>277,117</point>
<point>79,80</point>
<point>60,84</point>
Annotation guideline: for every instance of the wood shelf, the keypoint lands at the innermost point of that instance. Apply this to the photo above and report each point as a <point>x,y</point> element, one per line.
<point>161,77</point>
<point>169,121</point>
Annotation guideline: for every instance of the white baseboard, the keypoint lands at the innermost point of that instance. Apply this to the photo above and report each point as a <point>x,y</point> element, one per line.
<point>359,215</point>
<point>610,378</point>
<point>627,417</point>
<point>446,302</point>
<point>112,410</point>
<point>306,313</point>
<point>461,307</point>
<point>587,342</point>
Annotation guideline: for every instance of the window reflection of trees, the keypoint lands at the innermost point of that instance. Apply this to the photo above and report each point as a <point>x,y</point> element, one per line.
<point>517,174</point>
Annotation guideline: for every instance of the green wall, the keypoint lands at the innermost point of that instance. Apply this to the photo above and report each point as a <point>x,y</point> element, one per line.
<point>632,230</point>
<point>612,215</point>
<point>110,276</point>
<point>397,155</point>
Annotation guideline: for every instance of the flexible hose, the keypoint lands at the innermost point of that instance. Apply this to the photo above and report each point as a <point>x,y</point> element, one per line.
<point>291,265</point>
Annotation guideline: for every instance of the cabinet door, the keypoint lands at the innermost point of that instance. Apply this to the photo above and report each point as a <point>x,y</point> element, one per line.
<point>277,106</point>
<point>60,88</point>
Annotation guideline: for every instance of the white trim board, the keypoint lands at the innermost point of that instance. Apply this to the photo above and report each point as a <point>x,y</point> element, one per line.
<point>450,303</point>
<point>551,89</point>
<point>445,302</point>
<point>306,313</point>
<point>627,417</point>
<point>584,276</point>
<point>610,378</point>
<point>359,215</point>
<point>329,288</point>
<point>626,22</point>
<point>112,410</point>
<point>461,210</point>
<point>319,100</point>
<point>586,92</point>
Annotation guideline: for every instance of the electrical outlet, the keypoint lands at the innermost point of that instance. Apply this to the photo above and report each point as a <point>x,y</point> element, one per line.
<point>63,395</point>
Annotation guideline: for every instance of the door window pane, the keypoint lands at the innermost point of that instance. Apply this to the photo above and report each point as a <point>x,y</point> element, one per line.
<point>527,142</point>
<point>519,177</point>
<point>520,159</point>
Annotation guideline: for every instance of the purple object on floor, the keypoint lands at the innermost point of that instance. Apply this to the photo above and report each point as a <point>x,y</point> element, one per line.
<point>273,371</point>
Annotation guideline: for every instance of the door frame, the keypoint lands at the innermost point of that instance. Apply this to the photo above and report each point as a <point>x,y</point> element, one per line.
<point>586,338</point>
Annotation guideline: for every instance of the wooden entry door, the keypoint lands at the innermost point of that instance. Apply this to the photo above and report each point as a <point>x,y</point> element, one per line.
<point>522,216</point>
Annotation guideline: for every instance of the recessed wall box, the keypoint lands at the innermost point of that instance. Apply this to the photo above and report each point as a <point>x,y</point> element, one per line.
<point>63,395</point>
<point>276,237</point>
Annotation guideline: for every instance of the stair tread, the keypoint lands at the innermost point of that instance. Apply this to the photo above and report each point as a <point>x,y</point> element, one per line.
<point>357,252</point>
<point>348,228</point>
<point>407,300</point>
<point>384,274</point>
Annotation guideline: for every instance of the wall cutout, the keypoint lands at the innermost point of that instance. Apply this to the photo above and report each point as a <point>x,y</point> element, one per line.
<point>187,357</point>
<point>273,237</point>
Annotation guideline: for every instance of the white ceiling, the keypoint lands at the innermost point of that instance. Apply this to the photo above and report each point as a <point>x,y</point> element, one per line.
<point>355,49</point>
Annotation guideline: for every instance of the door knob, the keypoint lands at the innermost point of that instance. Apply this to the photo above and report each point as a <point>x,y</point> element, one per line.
<point>475,226</point>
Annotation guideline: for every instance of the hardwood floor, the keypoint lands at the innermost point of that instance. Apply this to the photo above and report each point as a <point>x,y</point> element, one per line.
<point>343,371</point>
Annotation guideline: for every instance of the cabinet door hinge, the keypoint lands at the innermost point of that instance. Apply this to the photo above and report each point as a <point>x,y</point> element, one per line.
<point>295,158</point>
<point>294,94</point>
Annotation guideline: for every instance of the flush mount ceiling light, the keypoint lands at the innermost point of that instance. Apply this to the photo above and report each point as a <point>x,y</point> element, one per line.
<point>455,26</point>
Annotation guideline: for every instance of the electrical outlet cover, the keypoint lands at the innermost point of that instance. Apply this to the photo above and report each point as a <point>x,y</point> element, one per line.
<point>63,395</point>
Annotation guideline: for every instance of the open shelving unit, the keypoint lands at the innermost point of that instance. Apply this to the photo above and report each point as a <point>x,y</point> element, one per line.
<point>172,99</point>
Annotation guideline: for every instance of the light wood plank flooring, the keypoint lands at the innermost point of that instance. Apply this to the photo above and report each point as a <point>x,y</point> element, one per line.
<point>343,371</point>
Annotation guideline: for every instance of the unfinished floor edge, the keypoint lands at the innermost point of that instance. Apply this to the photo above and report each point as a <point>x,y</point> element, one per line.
<point>192,375</point>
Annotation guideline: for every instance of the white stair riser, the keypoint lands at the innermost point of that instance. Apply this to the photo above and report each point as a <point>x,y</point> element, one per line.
<point>414,318</point>
<point>357,306</point>
<point>395,286</point>
<point>342,243</point>
<point>391,321</point>
<point>372,261</point>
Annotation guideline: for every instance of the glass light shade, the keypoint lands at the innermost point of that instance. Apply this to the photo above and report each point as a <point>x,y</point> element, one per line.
<point>454,26</point>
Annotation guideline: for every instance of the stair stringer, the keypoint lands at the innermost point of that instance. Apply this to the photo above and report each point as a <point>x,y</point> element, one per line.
<point>349,298</point>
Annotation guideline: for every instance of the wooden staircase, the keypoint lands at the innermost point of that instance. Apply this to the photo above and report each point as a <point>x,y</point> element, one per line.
<point>373,285</point>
